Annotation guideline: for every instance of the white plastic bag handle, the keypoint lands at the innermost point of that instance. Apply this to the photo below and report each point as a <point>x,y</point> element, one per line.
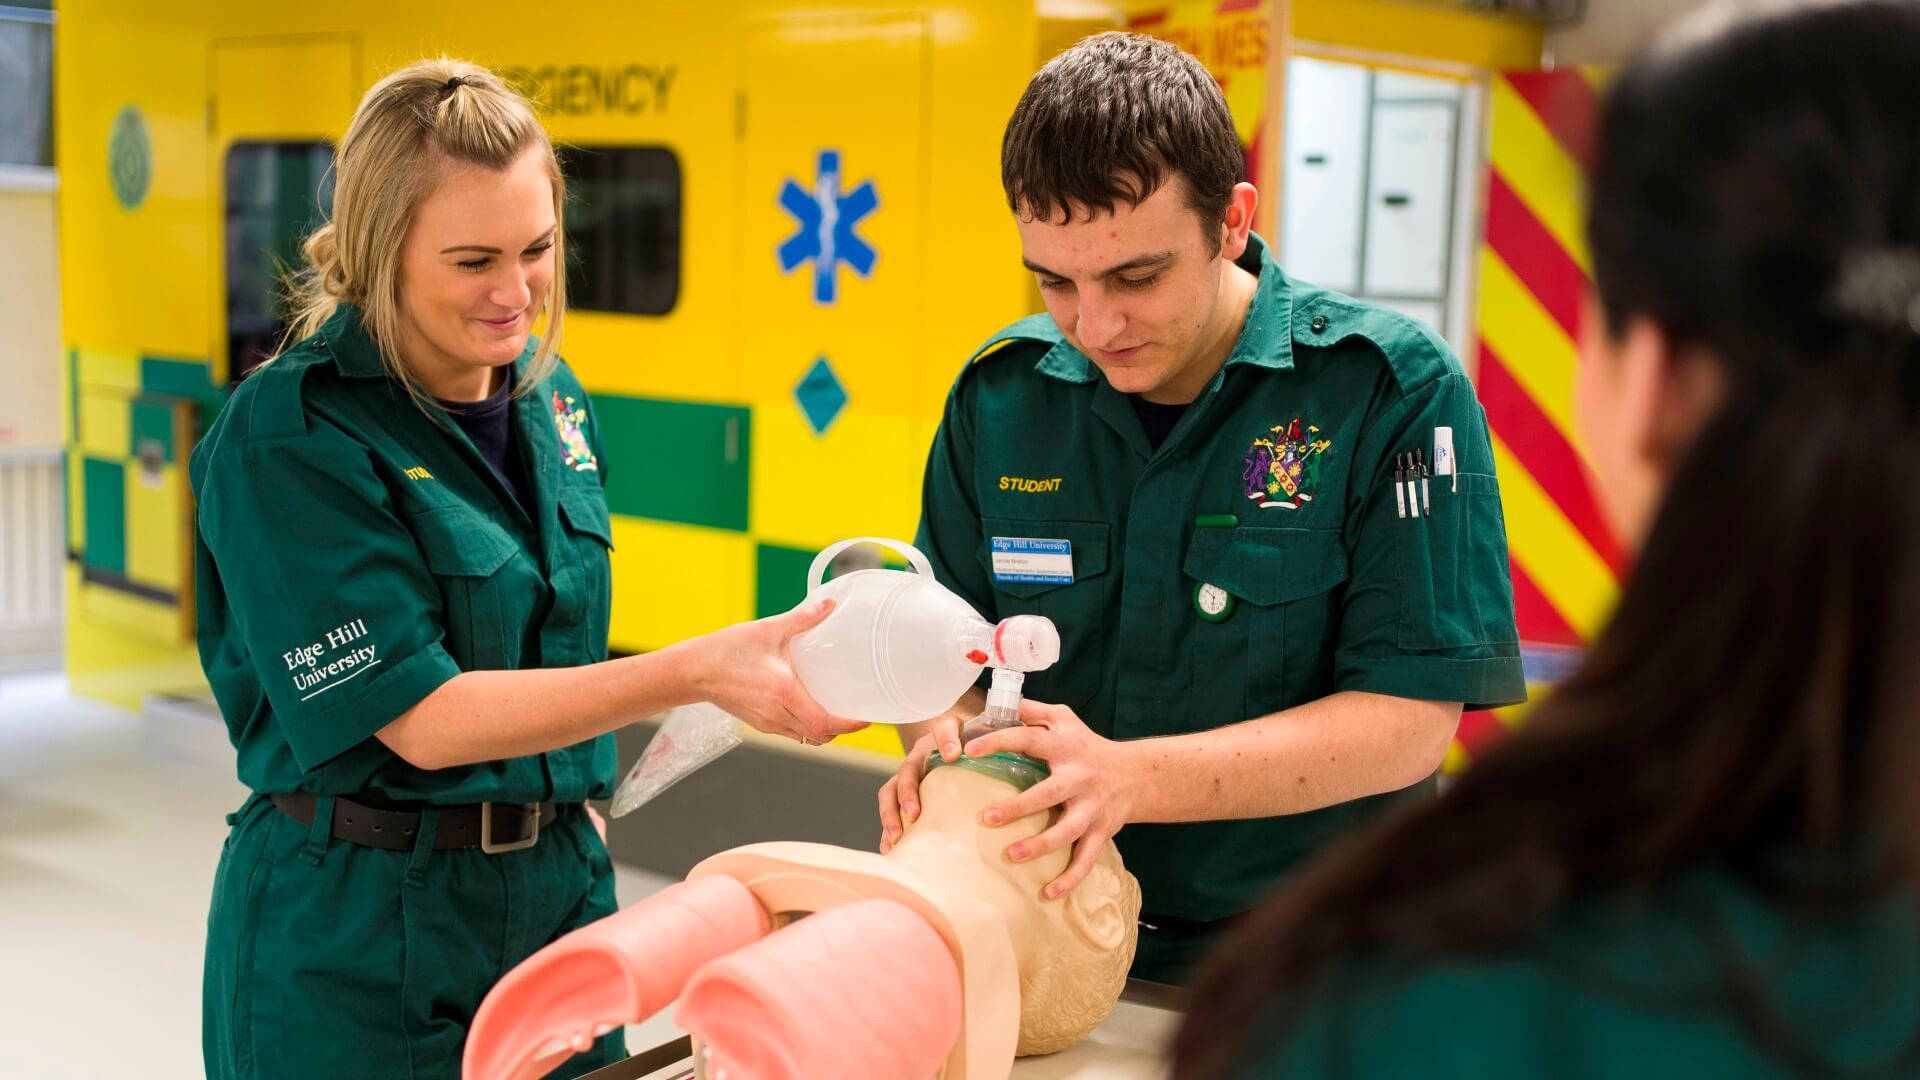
<point>821,561</point>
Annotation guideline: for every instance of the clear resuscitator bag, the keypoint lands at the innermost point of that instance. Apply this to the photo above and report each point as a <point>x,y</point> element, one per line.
<point>897,648</point>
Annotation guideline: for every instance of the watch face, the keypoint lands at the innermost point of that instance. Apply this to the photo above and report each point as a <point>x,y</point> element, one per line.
<point>1212,600</point>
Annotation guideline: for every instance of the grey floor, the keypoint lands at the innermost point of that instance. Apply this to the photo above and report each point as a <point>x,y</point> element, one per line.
<point>110,827</point>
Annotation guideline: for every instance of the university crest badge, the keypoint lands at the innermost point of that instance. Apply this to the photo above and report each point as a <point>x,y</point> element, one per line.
<point>1283,466</point>
<point>573,442</point>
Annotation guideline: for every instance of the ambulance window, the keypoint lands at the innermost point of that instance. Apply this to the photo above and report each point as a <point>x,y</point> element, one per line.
<point>26,77</point>
<point>277,193</point>
<point>623,228</point>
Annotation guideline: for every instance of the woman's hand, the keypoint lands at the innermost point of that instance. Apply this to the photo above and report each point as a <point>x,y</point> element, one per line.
<point>744,669</point>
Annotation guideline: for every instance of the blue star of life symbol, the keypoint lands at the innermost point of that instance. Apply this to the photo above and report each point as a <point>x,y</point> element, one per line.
<point>826,221</point>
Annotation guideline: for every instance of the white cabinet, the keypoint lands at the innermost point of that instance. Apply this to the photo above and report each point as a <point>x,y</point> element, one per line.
<point>1410,199</point>
<point>1427,311</point>
<point>1389,85</point>
<point>1326,172</point>
<point>1372,203</point>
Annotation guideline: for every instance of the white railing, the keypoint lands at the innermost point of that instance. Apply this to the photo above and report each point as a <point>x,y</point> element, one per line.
<point>32,556</point>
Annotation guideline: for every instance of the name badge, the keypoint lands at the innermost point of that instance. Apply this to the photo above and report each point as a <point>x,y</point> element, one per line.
<point>1024,559</point>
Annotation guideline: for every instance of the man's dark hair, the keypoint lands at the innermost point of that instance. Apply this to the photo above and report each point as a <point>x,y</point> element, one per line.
<point>1108,121</point>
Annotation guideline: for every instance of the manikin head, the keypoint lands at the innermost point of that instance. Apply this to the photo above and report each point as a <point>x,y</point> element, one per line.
<point>1073,952</point>
<point>773,951</point>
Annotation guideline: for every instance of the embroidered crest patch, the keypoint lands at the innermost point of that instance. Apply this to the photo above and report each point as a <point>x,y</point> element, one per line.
<point>1283,466</point>
<point>573,442</point>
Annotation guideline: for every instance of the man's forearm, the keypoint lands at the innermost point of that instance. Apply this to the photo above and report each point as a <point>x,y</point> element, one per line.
<point>1344,746</point>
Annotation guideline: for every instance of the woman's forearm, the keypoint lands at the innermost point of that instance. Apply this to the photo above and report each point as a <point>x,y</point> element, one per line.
<point>489,715</point>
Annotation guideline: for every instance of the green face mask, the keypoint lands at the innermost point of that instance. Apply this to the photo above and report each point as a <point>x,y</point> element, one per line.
<point>1017,769</point>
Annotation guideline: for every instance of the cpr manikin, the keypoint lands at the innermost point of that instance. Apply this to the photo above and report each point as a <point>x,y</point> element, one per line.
<point>938,959</point>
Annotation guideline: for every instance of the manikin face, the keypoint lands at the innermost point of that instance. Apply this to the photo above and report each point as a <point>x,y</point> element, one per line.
<point>1144,291</point>
<point>1073,952</point>
<point>474,274</point>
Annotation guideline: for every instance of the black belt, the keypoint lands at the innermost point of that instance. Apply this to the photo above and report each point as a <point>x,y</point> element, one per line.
<point>491,827</point>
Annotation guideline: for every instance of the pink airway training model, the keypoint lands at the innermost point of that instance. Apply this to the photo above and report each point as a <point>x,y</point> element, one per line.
<point>861,991</point>
<point>617,971</point>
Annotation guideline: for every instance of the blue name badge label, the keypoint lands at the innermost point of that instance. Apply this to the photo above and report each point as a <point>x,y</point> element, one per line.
<point>1024,559</point>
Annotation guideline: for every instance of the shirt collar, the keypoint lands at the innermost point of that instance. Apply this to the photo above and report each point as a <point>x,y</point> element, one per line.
<point>1267,338</point>
<point>1265,341</point>
<point>353,349</point>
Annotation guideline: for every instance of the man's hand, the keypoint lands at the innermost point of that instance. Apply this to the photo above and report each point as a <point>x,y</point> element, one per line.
<point>1091,782</point>
<point>900,795</point>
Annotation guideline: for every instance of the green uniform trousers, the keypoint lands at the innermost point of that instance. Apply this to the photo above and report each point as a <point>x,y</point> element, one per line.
<point>327,960</point>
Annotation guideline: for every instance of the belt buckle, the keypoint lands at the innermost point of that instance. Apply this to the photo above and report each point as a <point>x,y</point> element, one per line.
<point>486,829</point>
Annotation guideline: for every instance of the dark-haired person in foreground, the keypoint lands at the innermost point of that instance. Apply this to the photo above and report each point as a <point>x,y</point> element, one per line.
<point>1190,464</point>
<point>1699,859</point>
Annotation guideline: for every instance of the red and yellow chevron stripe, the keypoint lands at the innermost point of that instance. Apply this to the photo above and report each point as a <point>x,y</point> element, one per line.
<point>1534,273</point>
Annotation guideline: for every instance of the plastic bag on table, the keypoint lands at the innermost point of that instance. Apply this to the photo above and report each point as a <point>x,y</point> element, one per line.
<point>691,736</point>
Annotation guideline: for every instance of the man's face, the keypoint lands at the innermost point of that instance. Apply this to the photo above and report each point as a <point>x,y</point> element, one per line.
<point>1138,290</point>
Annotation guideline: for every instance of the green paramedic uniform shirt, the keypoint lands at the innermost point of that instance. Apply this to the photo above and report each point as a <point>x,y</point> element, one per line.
<point>1635,987</point>
<point>352,556</point>
<point>1275,491</point>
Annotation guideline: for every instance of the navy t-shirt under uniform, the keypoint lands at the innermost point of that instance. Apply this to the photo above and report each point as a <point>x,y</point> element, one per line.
<point>1158,420</point>
<point>489,423</point>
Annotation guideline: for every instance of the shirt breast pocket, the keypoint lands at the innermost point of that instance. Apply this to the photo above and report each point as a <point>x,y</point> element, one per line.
<point>1278,639</point>
<point>1454,588</point>
<point>467,555</point>
<point>590,530</point>
<point>1078,608</point>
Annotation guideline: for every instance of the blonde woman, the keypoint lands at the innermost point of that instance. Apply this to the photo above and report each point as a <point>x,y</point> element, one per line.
<point>404,593</point>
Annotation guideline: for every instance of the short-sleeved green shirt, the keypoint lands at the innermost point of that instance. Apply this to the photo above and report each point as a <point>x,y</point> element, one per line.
<point>352,554</point>
<point>1636,986</point>
<point>1276,491</point>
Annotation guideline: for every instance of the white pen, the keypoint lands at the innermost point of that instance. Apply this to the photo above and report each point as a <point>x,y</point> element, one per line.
<point>1443,459</point>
